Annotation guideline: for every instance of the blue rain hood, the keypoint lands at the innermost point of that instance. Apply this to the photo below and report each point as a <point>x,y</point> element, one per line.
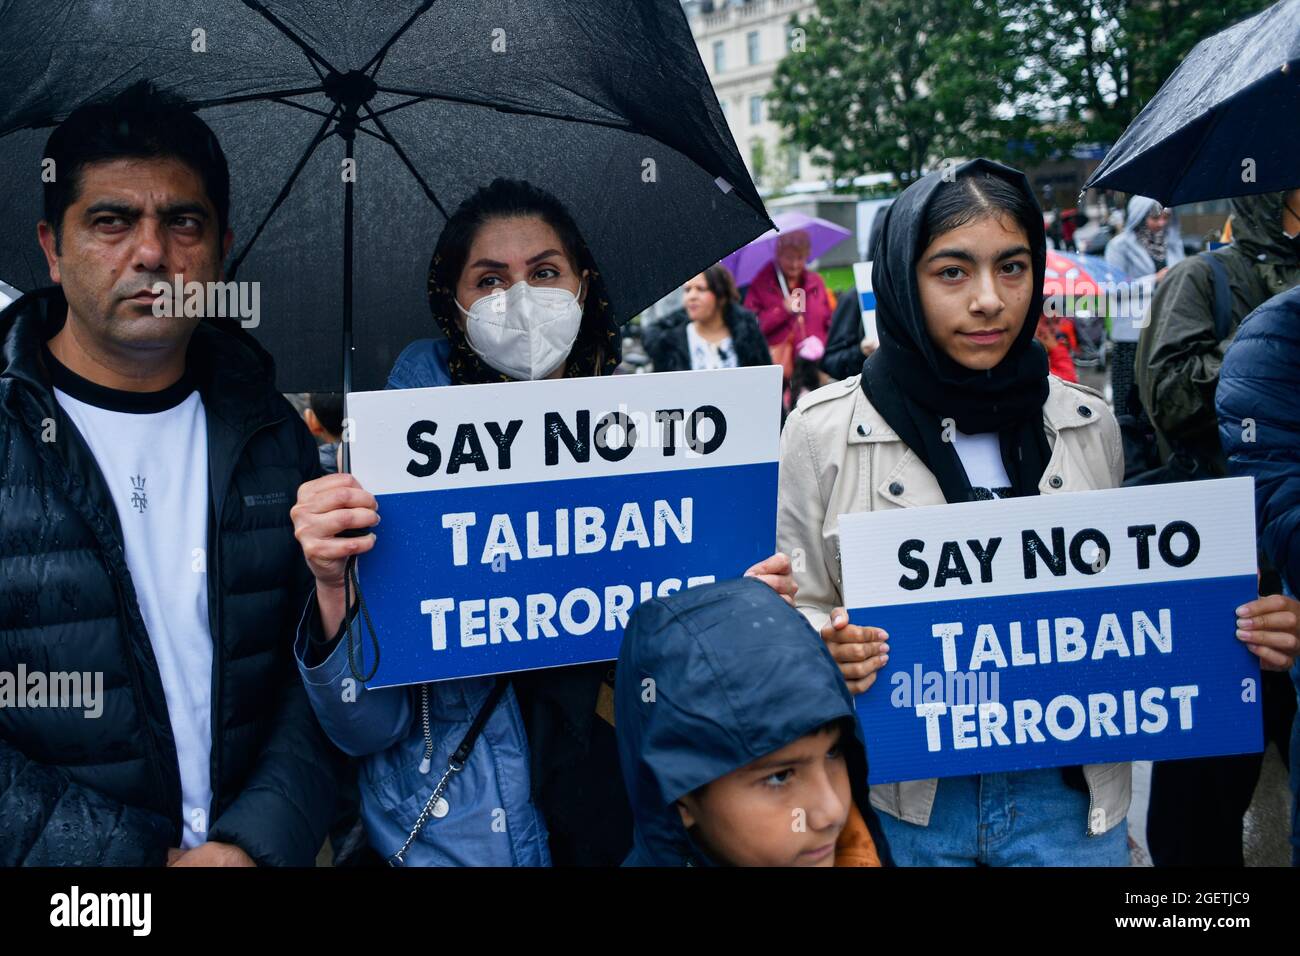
<point>709,680</point>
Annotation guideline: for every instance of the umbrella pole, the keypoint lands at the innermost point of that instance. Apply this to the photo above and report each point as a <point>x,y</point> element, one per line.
<point>349,137</point>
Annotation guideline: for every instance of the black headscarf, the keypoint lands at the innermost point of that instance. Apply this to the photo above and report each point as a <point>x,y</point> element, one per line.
<point>914,385</point>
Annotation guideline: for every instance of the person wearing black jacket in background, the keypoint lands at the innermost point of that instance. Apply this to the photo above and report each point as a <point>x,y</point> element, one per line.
<point>846,346</point>
<point>711,330</point>
<point>148,467</point>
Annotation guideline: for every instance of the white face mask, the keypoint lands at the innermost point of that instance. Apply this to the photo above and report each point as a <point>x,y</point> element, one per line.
<point>526,332</point>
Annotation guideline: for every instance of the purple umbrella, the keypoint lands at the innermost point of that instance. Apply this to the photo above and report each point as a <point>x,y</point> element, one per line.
<point>746,261</point>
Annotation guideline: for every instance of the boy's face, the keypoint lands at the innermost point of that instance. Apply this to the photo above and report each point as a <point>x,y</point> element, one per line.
<point>785,809</point>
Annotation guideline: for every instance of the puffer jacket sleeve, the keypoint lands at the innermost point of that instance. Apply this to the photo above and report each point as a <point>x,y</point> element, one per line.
<point>289,801</point>
<point>47,819</point>
<point>1259,420</point>
<point>800,515</point>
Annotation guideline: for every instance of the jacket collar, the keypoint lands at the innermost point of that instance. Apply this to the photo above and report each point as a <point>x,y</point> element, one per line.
<point>910,484</point>
<point>234,374</point>
<point>1066,407</point>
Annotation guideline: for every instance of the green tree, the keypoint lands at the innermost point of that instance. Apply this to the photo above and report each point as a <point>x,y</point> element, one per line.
<point>897,85</point>
<point>1096,63</point>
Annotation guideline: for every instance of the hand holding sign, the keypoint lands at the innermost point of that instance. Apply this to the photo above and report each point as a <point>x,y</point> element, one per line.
<point>325,507</point>
<point>860,651</point>
<point>1270,629</point>
<point>775,572</point>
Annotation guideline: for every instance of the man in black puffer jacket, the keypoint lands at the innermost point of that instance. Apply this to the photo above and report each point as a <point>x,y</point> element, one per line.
<point>147,469</point>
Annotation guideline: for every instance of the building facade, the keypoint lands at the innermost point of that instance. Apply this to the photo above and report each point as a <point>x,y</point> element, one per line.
<point>741,42</point>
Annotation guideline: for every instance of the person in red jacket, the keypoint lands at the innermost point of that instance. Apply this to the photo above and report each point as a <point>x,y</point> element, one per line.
<point>1059,359</point>
<point>791,301</point>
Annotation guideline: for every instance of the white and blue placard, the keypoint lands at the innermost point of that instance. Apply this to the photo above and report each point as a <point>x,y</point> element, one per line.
<point>866,299</point>
<point>1055,630</point>
<point>521,522</point>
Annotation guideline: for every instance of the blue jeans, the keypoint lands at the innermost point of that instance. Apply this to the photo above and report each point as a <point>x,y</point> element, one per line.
<point>1027,818</point>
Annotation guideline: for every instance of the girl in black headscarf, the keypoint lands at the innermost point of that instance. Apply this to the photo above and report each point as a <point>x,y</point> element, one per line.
<point>955,405</point>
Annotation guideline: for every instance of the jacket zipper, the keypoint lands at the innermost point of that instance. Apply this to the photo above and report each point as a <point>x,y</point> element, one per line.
<point>427,762</point>
<point>104,535</point>
<point>214,619</point>
<point>137,683</point>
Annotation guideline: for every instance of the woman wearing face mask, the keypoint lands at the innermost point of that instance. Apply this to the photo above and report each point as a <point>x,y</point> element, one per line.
<point>518,297</point>
<point>958,277</point>
<point>711,330</point>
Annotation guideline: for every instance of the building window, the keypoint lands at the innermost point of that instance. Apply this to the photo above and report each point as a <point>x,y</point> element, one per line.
<point>792,158</point>
<point>751,44</point>
<point>755,110</point>
<point>719,56</point>
<point>757,159</point>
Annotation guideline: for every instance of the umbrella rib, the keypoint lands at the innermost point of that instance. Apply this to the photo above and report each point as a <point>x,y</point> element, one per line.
<point>401,154</point>
<point>248,97</point>
<point>378,59</point>
<point>313,57</point>
<point>300,106</point>
<point>284,191</point>
<point>418,97</point>
<point>395,106</point>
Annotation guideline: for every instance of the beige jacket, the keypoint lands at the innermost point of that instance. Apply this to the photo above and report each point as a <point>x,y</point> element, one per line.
<point>838,455</point>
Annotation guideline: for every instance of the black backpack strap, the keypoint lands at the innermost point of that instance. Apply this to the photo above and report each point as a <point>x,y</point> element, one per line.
<point>1222,287</point>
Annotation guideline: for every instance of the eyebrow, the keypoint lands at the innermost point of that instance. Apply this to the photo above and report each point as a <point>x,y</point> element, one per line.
<point>494,264</point>
<point>125,209</point>
<point>769,762</point>
<point>121,209</point>
<point>965,256</point>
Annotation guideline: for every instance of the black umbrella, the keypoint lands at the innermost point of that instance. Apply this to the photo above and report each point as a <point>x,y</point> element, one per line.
<point>604,103</point>
<point>1225,123</point>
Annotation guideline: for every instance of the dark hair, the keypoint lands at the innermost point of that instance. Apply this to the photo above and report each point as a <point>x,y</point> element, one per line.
<point>720,282</point>
<point>973,196</point>
<point>506,199</point>
<point>328,407</point>
<point>140,122</point>
<point>597,342</point>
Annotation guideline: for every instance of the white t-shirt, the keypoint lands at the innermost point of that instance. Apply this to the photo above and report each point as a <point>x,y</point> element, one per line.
<point>152,449</point>
<point>707,355</point>
<point>981,457</point>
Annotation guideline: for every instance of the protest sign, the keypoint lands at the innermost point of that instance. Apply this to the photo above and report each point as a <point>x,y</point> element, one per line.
<point>1054,630</point>
<point>520,523</point>
<point>866,299</point>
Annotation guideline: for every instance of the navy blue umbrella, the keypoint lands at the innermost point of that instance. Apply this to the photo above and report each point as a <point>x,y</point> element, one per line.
<point>1225,123</point>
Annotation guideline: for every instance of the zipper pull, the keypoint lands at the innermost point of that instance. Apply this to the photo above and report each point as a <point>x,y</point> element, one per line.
<point>425,764</point>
